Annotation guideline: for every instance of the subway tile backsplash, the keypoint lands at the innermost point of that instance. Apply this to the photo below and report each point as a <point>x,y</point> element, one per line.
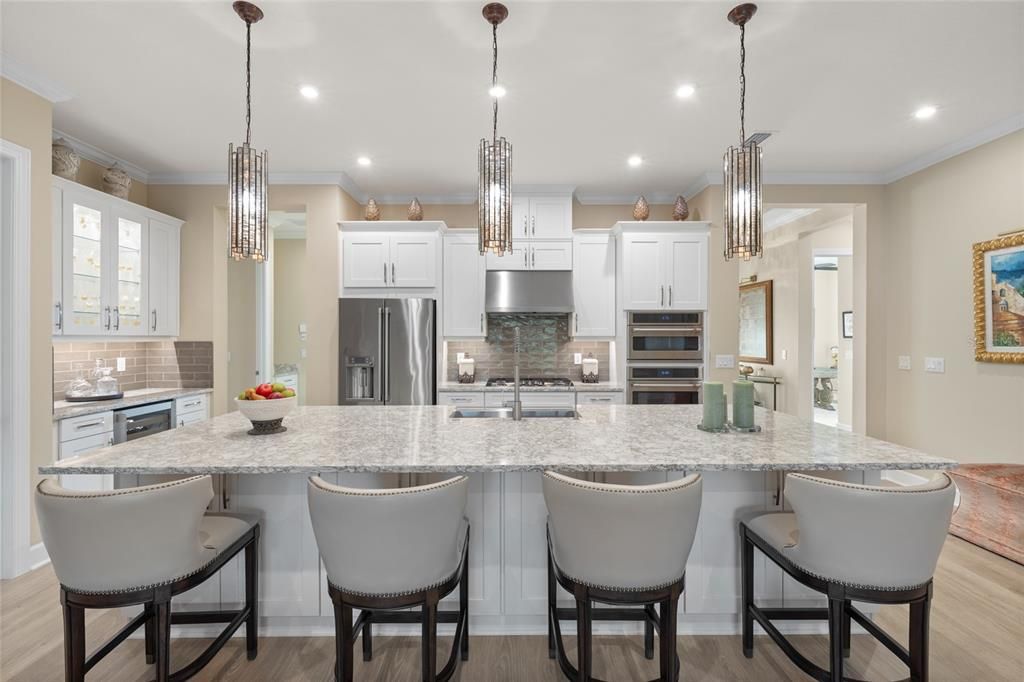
<point>149,364</point>
<point>546,349</point>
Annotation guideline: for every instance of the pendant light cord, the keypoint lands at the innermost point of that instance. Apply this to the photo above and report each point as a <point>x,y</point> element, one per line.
<point>494,79</point>
<point>743,83</point>
<point>248,82</point>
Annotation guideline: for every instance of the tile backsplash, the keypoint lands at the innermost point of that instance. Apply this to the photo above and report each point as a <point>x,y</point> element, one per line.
<point>149,364</point>
<point>546,350</point>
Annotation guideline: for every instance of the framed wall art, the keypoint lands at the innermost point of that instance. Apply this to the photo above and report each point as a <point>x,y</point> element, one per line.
<point>756,322</point>
<point>999,299</point>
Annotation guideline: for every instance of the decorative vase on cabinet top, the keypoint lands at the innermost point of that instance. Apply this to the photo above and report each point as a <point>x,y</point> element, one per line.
<point>65,160</point>
<point>372,210</point>
<point>681,211</point>
<point>116,182</point>
<point>415,210</point>
<point>641,210</point>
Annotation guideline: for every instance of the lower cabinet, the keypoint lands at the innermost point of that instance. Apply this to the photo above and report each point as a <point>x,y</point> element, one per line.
<point>600,398</point>
<point>461,399</point>
<point>566,399</point>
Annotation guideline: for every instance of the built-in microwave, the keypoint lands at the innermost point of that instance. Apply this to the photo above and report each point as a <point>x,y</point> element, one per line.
<point>665,336</point>
<point>665,384</point>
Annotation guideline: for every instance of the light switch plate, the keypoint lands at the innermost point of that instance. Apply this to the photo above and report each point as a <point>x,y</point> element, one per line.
<point>903,362</point>
<point>121,364</point>
<point>785,354</point>
<point>577,358</point>
<point>936,365</point>
<point>725,361</point>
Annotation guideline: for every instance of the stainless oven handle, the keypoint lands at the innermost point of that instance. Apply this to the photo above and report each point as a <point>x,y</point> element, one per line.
<point>673,331</point>
<point>666,385</point>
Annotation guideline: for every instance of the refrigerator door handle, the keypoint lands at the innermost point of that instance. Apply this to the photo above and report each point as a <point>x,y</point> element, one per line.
<point>381,355</point>
<point>387,354</point>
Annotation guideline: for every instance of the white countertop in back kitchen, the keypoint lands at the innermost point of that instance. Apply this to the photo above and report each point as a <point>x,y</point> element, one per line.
<point>577,386</point>
<point>62,409</point>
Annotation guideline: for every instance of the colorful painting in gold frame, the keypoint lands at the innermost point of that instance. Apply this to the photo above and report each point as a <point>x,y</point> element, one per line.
<point>999,299</point>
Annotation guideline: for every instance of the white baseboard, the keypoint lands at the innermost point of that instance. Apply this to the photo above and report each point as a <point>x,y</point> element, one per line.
<point>37,556</point>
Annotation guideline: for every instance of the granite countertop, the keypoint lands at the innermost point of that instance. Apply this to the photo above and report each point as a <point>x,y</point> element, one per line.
<point>577,386</point>
<point>62,409</point>
<point>427,439</point>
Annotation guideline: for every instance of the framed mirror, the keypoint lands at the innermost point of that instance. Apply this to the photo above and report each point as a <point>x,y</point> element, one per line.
<point>756,322</point>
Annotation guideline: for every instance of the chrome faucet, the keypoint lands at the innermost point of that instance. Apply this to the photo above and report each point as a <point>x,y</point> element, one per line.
<point>517,405</point>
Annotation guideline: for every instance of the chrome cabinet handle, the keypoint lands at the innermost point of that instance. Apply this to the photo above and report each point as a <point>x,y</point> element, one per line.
<point>533,222</point>
<point>181,422</point>
<point>526,258</point>
<point>192,404</point>
<point>88,424</point>
<point>533,256</point>
<point>392,273</point>
<point>106,311</point>
<point>117,317</point>
<point>154,319</point>
<point>526,228</point>
<point>669,295</point>
<point>385,273</point>
<point>59,308</point>
<point>481,322</point>
<point>576,319</point>
<point>662,304</point>
<point>110,441</point>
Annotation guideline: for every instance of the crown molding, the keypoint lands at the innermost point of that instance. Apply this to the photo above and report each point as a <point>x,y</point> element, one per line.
<point>462,199</point>
<point>32,80</point>
<point>339,179</point>
<point>88,151</point>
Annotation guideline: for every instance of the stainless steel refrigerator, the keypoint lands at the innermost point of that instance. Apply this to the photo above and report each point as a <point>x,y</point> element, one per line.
<point>387,351</point>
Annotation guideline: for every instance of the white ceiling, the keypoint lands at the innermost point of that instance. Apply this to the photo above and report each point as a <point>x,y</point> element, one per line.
<point>161,85</point>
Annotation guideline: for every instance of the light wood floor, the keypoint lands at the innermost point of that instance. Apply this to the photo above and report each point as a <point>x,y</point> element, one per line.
<point>977,634</point>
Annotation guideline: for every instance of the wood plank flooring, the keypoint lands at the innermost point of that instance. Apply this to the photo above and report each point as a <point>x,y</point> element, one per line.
<point>977,635</point>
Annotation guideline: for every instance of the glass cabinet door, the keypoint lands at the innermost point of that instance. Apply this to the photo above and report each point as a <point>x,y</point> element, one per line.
<point>84,264</point>
<point>128,304</point>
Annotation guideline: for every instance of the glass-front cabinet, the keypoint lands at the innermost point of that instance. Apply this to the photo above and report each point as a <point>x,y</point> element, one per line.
<point>103,284</point>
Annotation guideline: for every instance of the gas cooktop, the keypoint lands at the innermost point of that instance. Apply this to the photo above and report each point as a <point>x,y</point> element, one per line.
<point>554,382</point>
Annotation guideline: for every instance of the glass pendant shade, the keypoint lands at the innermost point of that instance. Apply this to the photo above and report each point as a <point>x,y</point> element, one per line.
<point>743,193</point>
<point>494,196</point>
<point>247,203</point>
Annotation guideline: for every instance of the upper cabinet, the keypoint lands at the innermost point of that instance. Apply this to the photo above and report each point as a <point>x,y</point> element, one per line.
<point>464,281</point>
<point>541,234</point>
<point>664,265</point>
<point>390,254</point>
<point>110,278</point>
<point>593,284</point>
<point>534,255</point>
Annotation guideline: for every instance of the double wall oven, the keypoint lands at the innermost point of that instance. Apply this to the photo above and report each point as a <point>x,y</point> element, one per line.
<point>665,358</point>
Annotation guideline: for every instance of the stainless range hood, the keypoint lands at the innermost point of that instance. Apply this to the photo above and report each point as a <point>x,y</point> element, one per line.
<point>529,291</point>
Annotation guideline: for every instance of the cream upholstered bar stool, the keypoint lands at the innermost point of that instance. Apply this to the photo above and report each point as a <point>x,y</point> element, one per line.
<point>622,545</point>
<point>144,546</point>
<point>851,542</point>
<point>391,549</point>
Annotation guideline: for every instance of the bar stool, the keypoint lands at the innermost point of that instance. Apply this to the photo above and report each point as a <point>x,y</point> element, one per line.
<point>144,546</point>
<point>390,549</point>
<point>621,545</point>
<point>851,542</point>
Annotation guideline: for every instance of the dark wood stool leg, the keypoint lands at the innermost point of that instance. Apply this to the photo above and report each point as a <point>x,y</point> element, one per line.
<point>648,639</point>
<point>846,628</point>
<point>252,554</point>
<point>342,642</point>
<point>429,637</point>
<point>747,588</point>
<point>552,604</point>
<point>367,617</point>
<point>836,615</point>
<point>163,640</point>
<point>150,634</point>
<point>74,643</point>
<point>584,640</point>
<point>919,616</point>
<point>669,616</point>
<point>464,608</point>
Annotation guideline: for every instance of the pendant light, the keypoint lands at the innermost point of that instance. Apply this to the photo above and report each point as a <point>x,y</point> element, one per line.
<point>742,168</point>
<point>494,198</point>
<point>247,170</point>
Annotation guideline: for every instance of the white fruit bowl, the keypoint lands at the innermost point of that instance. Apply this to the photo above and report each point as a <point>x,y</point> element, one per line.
<point>266,415</point>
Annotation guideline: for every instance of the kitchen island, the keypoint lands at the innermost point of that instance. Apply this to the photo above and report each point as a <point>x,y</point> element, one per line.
<point>368,446</point>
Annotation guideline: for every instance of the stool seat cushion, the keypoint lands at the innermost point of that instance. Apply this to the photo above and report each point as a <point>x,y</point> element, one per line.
<point>779,530</point>
<point>218,531</point>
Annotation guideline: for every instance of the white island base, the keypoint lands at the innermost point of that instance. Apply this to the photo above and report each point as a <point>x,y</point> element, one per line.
<point>507,573</point>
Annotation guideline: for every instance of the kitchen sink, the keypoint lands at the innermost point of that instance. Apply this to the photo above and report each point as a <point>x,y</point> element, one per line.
<point>506,413</point>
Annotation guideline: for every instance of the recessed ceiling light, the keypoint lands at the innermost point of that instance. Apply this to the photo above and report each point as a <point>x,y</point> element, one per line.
<point>497,91</point>
<point>635,160</point>
<point>309,92</point>
<point>925,112</point>
<point>685,91</point>
<point>364,161</point>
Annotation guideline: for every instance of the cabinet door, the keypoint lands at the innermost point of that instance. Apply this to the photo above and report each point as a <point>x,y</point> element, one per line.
<point>163,247</point>
<point>525,555</point>
<point>520,218</point>
<point>643,270</point>
<point>688,274</point>
<point>83,446</point>
<point>464,276</point>
<point>550,218</point>
<point>551,255</point>
<point>517,260</point>
<point>57,259</point>
<point>413,261</point>
<point>128,279</point>
<point>593,285</point>
<point>364,260</point>
<point>85,263</point>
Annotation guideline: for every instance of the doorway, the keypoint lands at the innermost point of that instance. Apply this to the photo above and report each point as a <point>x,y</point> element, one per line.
<point>832,338</point>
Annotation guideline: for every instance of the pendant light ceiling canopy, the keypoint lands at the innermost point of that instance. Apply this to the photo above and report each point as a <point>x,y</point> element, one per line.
<point>494,166</point>
<point>742,168</point>
<point>247,170</point>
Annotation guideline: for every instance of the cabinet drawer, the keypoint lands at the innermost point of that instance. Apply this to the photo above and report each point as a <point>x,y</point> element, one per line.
<point>189,404</point>
<point>465,399</point>
<point>600,398</point>
<point>86,425</point>
<point>565,399</point>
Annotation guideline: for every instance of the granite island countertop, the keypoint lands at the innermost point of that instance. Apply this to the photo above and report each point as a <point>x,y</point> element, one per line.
<point>62,409</point>
<point>428,439</point>
<point>577,387</point>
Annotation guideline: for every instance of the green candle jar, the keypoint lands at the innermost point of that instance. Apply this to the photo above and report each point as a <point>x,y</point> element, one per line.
<point>743,404</point>
<point>714,405</point>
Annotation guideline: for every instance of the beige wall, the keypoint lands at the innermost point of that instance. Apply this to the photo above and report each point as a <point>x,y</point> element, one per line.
<point>826,316</point>
<point>847,360</point>
<point>289,264</point>
<point>90,174</point>
<point>26,120</point>
<point>975,411</point>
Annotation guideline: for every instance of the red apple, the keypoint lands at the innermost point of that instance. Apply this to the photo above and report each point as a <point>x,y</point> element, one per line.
<point>274,396</point>
<point>264,390</point>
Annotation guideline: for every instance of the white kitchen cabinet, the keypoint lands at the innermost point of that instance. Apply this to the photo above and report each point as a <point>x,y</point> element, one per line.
<point>541,216</point>
<point>191,409</point>
<point>461,398</point>
<point>79,436</point>
<point>600,398</point>
<point>532,399</point>
<point>104,274</point>
<point>464,276</point>
<point>534,255</point>
<point>593,285</point>
<point>392,254</point>
<point>57,260</point>
<point>517,259</point>
<point>664,266</point>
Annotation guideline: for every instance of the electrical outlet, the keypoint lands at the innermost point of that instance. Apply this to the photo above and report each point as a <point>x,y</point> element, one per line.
<point>577,358</point>
<point>903,362</point>
<point>785,354</point>
<point>725,361</point>
<point>936,365</point>
<point>122,364</point>
<point>459,357</point>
